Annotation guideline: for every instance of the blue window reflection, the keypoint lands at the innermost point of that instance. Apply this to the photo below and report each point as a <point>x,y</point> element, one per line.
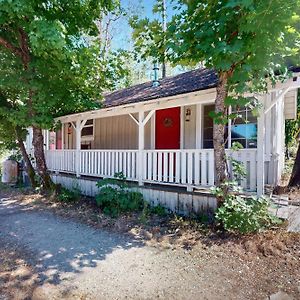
<point>246,134</point>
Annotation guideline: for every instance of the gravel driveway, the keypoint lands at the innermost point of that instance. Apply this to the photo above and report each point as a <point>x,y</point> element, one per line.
<point>74,261</point>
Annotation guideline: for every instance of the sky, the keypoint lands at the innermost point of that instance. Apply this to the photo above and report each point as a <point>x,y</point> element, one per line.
<point>122,31</point>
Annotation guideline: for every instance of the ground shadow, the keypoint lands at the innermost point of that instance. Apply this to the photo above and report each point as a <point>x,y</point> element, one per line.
<point>56,245</point>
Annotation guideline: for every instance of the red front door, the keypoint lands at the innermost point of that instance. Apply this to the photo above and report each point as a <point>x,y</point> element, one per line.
<point>167,128</point>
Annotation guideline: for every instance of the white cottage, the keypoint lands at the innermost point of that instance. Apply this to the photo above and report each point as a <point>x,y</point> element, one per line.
<point>161,137</point>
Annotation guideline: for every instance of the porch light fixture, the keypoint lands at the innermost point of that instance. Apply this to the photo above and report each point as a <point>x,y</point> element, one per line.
<point>188,113</point>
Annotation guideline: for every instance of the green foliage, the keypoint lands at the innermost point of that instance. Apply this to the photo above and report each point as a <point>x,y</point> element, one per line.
<point>245,215</point>
<point>115,197</point>
<point>240,213</point>
<point>50,62</point>
<point>246,39</point>
<point>158,210</point>
<point>69,196</point>
<point>16,156</point>
<point>149,210</point>
<point>148,38</point>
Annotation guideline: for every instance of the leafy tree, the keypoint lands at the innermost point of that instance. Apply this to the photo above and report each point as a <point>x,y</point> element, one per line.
<point>44,56</point>
<point>149,36</point>
<point>242,41</point>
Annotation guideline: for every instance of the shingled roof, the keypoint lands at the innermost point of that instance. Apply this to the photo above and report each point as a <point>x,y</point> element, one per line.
<point>187,82</point>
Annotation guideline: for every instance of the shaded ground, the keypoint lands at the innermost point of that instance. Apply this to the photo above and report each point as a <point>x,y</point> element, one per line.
<point>48,252</point>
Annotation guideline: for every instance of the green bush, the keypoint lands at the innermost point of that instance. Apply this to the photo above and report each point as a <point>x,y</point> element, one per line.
<point>115,197</point>
<point>242,214</point>
<point>68,196</point>
<point>245,215</point>
<point>158,210</point>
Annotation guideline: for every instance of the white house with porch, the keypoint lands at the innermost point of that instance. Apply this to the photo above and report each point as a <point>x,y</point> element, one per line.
<point>161,137</point>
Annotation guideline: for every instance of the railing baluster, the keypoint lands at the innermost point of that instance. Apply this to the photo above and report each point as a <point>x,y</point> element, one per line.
<point>211,168</point>
<point>197,168</point>
<point>177,167</point>
<point>190,167</point>
<point>165,170</point>
<point>252,171</point>
<point>154,175</point>
<point>171,167</point>
<point>204,168</point>
<point>183,167</point>
<point>159,175</point>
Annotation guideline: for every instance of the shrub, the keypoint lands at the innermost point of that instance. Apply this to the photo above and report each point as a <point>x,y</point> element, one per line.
<point>149,210</point>
<point>245,215</point>
<point>68,196</point>
<point>158,210</point>
<point>242,214</point>
<point>115,197</point>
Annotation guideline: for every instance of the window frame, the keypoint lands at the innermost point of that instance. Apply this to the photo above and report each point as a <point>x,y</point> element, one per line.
<point>228,128</point>
<point>91,137</point>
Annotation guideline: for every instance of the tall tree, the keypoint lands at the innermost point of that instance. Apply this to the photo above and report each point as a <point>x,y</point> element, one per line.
<point>42,47</point>
<point>242,41</point>
<point>149,36</point>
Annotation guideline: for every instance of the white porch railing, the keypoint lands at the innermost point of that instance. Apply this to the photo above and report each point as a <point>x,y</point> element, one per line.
<point>106,163</point>
<point>182,167</point>
<point>173,167</point>
<point>61,160</point>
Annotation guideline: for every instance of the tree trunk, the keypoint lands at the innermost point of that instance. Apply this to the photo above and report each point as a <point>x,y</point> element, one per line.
<point>295,177</point>
<point>39,154</point>
<point>28,165</point>
<point>218,136</point>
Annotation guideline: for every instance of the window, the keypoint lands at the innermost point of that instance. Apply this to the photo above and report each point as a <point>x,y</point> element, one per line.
<point>208,127</point>
<point>59,139</point>
<point>87,132</point>
<point>243,130</point>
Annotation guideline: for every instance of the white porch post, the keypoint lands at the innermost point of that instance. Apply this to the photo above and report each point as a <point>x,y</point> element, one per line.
<point>78,147</point>
<point>260,166</point>
<point>279,146</point>
<point>141,146</point>
<point>63,136</point>
<point>47,139</point>
<point>198,126</point>
<point>229,128</point>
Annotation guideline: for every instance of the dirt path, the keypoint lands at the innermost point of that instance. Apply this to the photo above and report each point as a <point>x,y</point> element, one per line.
<point>63,259</point>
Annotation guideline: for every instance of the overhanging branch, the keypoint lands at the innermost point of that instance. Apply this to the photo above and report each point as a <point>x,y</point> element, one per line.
<point>15,50</point>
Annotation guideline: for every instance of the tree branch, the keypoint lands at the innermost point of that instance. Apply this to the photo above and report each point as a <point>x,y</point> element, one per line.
<point>15,50</point>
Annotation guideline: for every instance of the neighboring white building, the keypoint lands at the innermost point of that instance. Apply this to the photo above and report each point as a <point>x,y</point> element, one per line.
<point>162,136</point>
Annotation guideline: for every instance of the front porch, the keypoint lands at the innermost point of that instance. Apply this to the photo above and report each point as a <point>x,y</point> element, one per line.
<point>164,136</point>
<point>168,142</point>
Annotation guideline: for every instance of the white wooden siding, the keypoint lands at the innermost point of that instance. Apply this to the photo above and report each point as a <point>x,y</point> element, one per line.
<point>290,105</point>
<point>189,128</point>
<point>119,132</point>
